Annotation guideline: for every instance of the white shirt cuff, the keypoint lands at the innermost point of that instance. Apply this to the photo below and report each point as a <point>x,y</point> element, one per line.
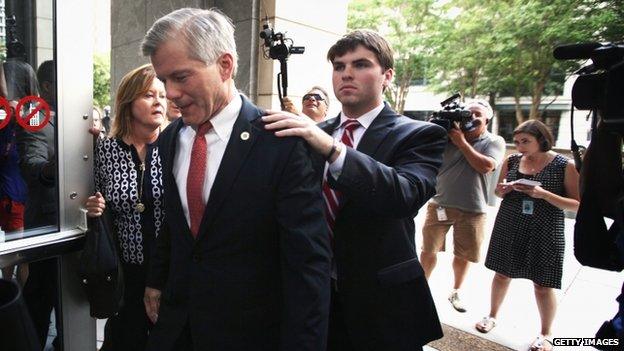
<point>335,168</point>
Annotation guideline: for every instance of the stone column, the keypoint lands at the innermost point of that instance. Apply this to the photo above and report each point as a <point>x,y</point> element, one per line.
<point>315,25</point>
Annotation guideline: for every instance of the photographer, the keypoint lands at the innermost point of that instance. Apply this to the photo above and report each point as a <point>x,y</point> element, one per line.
<point>461,195</point>
<point>314,104</point>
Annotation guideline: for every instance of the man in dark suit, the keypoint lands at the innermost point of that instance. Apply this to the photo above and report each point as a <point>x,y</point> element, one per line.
<point>380,169</point>
<point>243,261</point>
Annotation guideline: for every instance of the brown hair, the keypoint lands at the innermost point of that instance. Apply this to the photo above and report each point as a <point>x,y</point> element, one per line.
<point>134,84</point>
<point>540,131</point>
<point>370,40</point>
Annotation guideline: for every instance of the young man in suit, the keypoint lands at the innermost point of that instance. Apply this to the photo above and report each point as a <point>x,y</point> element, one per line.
<point>243,261</point>
<point>380,168</point>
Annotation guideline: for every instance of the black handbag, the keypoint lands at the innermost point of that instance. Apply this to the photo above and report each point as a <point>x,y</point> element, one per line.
<point>100,269</point>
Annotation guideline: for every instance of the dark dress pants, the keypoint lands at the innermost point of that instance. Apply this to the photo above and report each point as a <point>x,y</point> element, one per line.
<point>338,338</point>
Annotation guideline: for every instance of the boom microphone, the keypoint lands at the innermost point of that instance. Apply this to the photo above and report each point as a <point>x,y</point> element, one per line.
<point>575,51</point>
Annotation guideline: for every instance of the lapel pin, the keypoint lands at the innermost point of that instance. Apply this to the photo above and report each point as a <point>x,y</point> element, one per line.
<point>244,135</point>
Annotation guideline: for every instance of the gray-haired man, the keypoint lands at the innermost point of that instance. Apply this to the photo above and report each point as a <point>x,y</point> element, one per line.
<point>243,259</point>
<point>461,196</point>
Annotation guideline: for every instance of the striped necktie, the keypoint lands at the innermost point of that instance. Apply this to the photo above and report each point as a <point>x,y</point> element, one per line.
<point>332,197</point>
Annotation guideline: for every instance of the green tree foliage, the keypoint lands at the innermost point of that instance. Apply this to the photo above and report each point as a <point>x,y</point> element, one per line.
<point>405,33</point>
<point>488,48</point>
<point>101,80</point>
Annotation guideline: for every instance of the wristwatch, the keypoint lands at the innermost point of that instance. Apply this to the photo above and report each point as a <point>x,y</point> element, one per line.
<point>336,148</point>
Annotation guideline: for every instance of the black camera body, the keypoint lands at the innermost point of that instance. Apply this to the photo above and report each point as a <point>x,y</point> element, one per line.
<point>599,85</point>
<point>453,111</point>
<point>279,47</point>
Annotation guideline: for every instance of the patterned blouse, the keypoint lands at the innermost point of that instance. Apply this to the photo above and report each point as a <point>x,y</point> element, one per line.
<point>118,170</point>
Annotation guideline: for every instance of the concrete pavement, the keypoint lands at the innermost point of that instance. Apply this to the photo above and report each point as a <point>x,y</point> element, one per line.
<point>587,297</point>
<point>586,300</point>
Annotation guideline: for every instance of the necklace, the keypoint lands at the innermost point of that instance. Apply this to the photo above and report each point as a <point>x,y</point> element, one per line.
<point>534,165</point>
<point>140,206</point>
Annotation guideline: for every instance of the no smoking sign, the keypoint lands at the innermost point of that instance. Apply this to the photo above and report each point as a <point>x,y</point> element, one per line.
<point>5,112</point>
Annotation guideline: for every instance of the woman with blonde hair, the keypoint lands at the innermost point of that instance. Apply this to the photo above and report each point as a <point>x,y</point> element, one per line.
<point>128,182</point>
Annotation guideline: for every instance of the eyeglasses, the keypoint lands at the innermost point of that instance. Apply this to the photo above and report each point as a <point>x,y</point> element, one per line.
<point>316,97</point>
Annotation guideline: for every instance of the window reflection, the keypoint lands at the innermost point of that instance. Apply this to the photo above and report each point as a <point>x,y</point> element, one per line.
<point>28,184</point>
<point>28,166</point>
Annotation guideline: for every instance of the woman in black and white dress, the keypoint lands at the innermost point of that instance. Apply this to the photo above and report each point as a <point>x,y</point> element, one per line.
<point>128,181</point>
<point>527,241</point>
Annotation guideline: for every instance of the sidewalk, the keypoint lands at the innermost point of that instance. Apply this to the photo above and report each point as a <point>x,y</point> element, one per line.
<point>586,300</point>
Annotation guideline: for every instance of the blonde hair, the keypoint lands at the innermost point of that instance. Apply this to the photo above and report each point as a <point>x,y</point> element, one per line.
<point>134,84</point>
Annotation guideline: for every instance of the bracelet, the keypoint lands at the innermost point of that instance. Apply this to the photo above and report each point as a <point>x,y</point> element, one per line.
<point>333,150</point>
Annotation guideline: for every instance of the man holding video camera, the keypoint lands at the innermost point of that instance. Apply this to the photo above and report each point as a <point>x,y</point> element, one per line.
<point>470,159</point>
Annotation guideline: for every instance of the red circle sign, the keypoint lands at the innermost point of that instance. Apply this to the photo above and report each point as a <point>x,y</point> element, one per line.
<point>31,120</point>
<point>4,105</point>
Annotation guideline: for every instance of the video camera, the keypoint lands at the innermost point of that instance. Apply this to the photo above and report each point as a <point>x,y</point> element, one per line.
<point>278,47</point>
<point>453,111</point>
<point>597,244</point>
<point>599,85</point>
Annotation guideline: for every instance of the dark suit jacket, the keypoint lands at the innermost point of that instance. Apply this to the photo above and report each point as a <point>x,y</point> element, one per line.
<point>257,276</point>
<point>384,294</point>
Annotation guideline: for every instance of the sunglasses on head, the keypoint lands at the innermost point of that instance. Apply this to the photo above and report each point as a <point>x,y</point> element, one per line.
<point>316,97</point>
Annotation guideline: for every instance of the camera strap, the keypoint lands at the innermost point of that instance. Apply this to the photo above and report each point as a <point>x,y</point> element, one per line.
<point>578,161</point>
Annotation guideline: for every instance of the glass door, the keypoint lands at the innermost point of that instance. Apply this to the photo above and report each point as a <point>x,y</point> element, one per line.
<point>46,49</point>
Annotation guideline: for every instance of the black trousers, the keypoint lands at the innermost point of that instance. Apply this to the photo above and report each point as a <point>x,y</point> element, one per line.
<point>128,330</point>
<point>338,337</point>
<point>185,341</point>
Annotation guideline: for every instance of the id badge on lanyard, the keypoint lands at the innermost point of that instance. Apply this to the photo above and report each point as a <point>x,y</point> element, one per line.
<point>527,207</point>
<point>441,212</point>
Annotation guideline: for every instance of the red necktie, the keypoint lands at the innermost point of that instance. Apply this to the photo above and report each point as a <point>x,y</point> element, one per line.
<point>196,177</point>
<point>333,197</point>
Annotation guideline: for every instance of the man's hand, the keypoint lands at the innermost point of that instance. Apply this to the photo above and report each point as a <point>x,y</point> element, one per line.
<point>151,299</point>
<point>289,106</point>
<point>48,171</point>
<point>456,136</point>
<point>287,124</point>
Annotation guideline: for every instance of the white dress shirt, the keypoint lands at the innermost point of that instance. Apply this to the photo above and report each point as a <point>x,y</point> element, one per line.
<point>365,121</point>
<point>216,141</point>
